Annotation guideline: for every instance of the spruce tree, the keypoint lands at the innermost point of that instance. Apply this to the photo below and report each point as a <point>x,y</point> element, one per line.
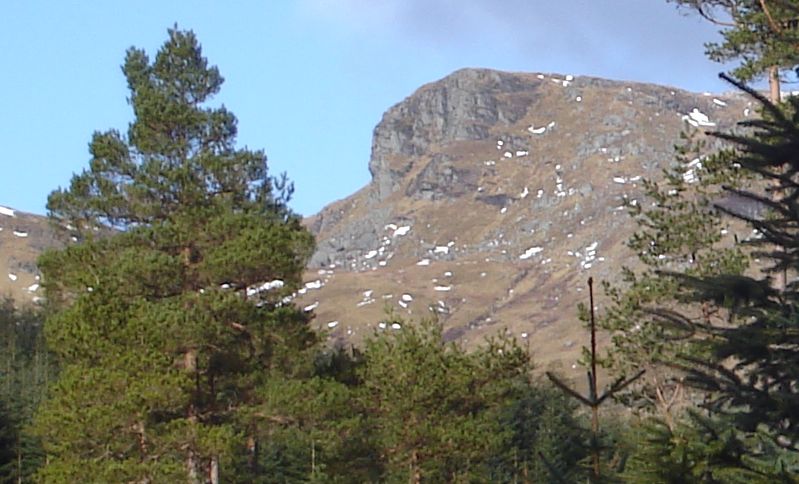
<point>547,437</point>
<point>9,437</point>
<point>679,228</point>
<point>749,368</point>
<point>26,368</point>
<point>172,308</point>
<point>723,328</point>
<point>701,448</point>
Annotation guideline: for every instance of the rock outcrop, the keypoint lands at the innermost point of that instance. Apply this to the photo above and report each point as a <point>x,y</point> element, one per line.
<point>494,195</point>
<point>461,107</point>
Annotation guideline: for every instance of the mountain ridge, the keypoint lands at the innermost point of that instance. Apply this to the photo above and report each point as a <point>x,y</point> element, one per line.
<point>494,195</point>
<point>508,190</point>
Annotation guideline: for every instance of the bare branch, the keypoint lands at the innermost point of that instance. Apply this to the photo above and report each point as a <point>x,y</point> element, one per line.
<point>568,390</point>
<point>712,19</point>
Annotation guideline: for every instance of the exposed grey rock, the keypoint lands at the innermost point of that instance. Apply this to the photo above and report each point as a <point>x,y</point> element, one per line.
<point>463,106</point>
<point>441,179</point>
<point>420,153</point>
<point>499,200</point>
<point>351,241</point>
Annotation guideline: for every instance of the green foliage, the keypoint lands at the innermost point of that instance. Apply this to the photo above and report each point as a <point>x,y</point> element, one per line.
<point>440,414</point>
<point>751,369</point>
<point>547,441</point>
<point>704,449</point>
<point>429,405</point>
<point>412,407</point>
<point>679,228</point>
<point>9,436</point>
<point>725,331</point>
<point>758,34</point>
<point>310,431</point>
<point>166,343</point>
<point>26,367</point>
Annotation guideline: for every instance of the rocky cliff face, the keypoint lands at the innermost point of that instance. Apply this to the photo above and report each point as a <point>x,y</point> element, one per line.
<point>494,196</point>
<point>463,106</point>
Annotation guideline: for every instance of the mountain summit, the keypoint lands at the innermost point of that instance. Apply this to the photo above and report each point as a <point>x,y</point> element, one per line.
<point>494,196</point>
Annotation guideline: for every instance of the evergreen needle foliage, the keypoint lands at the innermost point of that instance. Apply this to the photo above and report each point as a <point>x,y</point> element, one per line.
<point>440,414</point>
<point>165,351</point>
<point>679,228</point>
<point>26,367</point>
<point>713,326</point>
<point>435,405</point>
<point>751,372</point>
<point>761,35</point>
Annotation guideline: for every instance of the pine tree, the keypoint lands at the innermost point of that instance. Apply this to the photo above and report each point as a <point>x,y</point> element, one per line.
<point>761,34</point>
<point>435,408</point>
<point>165,330</point>
<point>26,368</point>
<point>317,432</point>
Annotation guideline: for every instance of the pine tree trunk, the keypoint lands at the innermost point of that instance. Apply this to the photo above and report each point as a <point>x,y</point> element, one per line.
<point>252,454</point>
<point>190,366</point>
<point>774,83</point>
<point>313,458</point>
<point>525,473</point>
<point>416,473</point>
<point>142,439</point>
<point>19,460</point>
<point>214,472</point>
<point>775,96</point>
<point>191,467</point>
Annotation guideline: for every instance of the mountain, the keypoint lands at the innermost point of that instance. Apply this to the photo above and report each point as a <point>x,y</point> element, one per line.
<point>494,196</point>
<point>23,236</point>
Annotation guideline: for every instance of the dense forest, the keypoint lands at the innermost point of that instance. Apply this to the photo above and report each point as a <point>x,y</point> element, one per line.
<point>168,351</point>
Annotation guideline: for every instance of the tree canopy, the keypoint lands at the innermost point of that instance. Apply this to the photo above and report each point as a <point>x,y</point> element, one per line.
<point>165,328</point>
<point>761,35</point>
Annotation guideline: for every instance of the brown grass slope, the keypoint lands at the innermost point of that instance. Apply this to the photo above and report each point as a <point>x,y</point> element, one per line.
<point>512,185</point>
<point>494,196</point>
<point>23,236</point>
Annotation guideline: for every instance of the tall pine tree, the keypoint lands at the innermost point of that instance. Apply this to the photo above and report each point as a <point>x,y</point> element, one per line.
<point>761,34</point>
<point>165,328</point>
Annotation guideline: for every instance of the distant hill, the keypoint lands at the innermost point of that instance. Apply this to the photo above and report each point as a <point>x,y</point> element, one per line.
<point>23,236</point>
<point>493,197</point>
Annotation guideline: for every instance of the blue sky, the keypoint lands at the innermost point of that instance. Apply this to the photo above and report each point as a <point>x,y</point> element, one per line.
<point>308,79</point>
